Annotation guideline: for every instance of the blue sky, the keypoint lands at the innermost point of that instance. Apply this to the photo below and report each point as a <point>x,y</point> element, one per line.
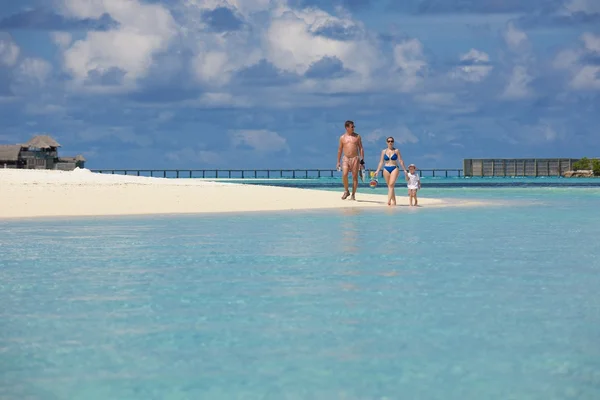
<point>269,83</point>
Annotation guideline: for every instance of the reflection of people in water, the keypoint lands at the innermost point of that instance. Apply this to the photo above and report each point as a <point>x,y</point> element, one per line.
<point>350,231</point>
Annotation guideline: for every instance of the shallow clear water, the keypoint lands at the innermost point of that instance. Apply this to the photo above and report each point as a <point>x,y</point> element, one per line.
<point>482,303</point>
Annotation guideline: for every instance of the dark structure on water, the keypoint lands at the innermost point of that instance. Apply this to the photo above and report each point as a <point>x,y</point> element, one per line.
<point>488,167</point>
<point>40,152</point>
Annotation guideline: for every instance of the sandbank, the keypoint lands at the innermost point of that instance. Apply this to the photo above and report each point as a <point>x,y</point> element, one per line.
<point>48,193</point>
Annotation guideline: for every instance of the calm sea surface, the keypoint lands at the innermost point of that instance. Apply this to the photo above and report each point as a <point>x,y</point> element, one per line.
<point>497,302</point>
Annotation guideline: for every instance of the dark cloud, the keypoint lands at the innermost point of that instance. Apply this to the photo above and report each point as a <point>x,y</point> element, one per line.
<point>338,31</point>
<point>472,62</point>
<point>325,4</point>
<point>168,80</point>
<point>264,74</point>
<point>327,68</point>
<point>590,59</point>
<point>42,19</point>
<point>475,6</point>
<point>222,19</point>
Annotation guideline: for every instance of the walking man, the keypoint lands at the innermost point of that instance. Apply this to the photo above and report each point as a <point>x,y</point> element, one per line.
<point>354,156</point>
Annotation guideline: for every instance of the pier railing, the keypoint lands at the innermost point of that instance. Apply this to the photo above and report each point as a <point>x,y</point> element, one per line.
<point>260,173</point>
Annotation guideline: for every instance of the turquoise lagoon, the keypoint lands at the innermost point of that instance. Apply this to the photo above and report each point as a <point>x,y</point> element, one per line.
<point>496,302</point>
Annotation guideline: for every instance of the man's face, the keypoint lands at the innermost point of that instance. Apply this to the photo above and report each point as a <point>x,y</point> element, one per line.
<point>350,128</point>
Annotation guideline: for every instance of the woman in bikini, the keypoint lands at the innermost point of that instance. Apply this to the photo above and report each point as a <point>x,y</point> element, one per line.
<point>393,160</point>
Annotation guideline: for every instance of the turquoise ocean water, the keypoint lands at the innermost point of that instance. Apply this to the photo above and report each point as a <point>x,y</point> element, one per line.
<point>494,302</point>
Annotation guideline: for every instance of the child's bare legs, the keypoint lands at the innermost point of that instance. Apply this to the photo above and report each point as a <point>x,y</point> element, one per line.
<point>411,196</point>
<point>415,196</point>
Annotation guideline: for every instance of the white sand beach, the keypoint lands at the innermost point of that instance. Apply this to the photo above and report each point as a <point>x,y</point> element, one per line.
<point>47,193</point>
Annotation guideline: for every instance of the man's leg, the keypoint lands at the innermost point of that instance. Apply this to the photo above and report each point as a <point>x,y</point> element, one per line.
<point>355,167</point>
<point>345,170</point>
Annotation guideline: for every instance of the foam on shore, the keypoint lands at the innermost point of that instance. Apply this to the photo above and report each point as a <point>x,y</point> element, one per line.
<point>47,193</point>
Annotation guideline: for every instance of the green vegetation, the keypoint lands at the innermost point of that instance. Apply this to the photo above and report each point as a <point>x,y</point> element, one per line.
<point>587,164</point>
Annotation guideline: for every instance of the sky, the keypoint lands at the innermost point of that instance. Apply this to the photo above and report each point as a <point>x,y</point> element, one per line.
<point>269,83</point>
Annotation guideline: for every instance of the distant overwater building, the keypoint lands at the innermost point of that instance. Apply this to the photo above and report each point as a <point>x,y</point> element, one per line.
<point>488,167</point>
<point>40,152</point>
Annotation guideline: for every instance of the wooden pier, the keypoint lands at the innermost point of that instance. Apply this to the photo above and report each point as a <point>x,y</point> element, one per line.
<point>260,173</point>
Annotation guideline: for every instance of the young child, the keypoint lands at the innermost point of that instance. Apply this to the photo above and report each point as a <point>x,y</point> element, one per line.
<point>414,184</point>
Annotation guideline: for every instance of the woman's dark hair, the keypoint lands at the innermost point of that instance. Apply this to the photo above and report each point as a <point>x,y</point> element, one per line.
<point>390,137</point>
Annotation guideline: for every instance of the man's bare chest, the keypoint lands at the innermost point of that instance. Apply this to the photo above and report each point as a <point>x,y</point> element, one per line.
<point>350,140</point>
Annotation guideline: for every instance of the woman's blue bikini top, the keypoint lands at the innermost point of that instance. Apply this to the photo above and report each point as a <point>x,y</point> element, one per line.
<point>394,157</point>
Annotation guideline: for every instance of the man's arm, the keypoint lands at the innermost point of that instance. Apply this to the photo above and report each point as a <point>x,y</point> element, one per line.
<point>361,148</point>
<point>339,153</point>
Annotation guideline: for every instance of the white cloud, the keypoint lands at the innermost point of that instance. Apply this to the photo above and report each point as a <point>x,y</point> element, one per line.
<point>566,59</point>
<point>245,7</point>
<point>584,76</point>
<point>521,74</point>
<point>477,68</point>
<point>61,39</point>
<point>220,99</point>
<point>292,42</point>
<point>29,76</point>
<point>212,67</point>
<point>165,116</point>
<point>591,42</point>
<point>587,78</point>
<point>543,131</point>
<point>34,70</point>
<point>289,38</point>
<point>260,139</point>
<point>9,51</point>
<point>144,29</point>
<point>584,6</point>
<point>284,36</point>
<point>515,38</point>
<point>400,134</point>
<point>436,98</point>
<point>518,84</point>
<point>410,60</point>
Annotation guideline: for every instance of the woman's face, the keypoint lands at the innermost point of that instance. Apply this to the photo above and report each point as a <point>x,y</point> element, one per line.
<point>390,142</point>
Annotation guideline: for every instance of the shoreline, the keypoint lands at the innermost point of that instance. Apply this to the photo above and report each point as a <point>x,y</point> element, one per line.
<point>266,213</point>
<point>30,194</point>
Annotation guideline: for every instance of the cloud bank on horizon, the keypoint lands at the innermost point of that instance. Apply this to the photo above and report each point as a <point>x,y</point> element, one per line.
<point>269,83</point>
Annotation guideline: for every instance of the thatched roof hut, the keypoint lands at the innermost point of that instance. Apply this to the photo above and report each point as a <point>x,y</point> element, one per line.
<point>42,142</point>
<point>9,152</point>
